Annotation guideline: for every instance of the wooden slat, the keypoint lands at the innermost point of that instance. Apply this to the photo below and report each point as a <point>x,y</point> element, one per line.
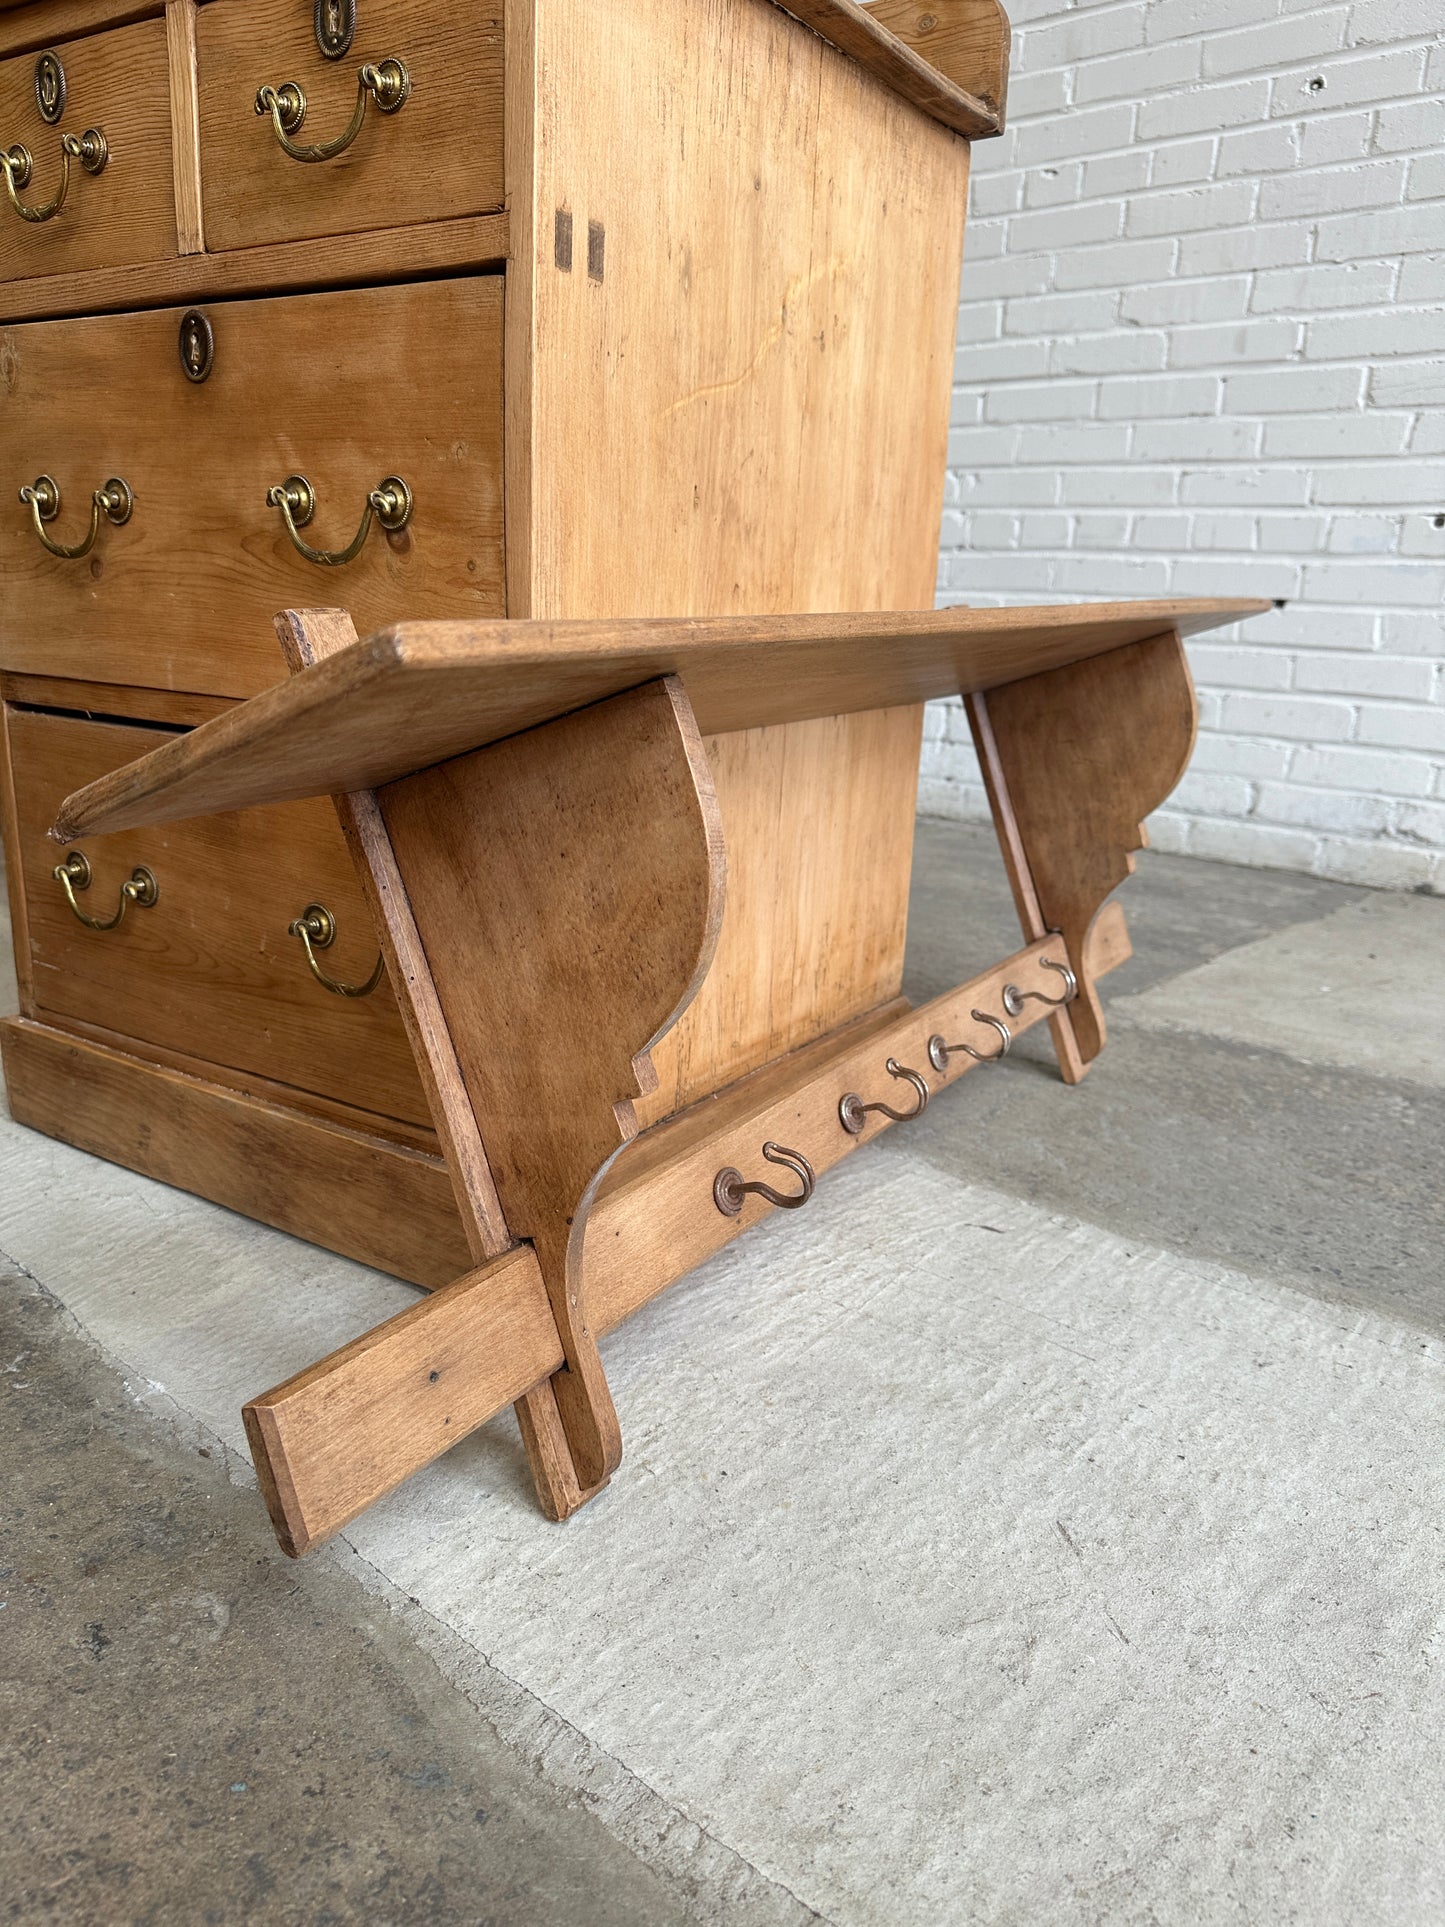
<point>14,875</point>
<point>363,1196</point>
<point>105,699</point>
<point>1016,864</point>
<point>655,1219</point>
<point>185,125</point>
<point>1084,755</point>
<point>420,693</point>
<point>334,261</point>
<point>341,1434</point>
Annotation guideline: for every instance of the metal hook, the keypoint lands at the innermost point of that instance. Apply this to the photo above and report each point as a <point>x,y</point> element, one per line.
<point>853,1112</point>
<point>729,1190</point>
<point>939,1052</point>
<point>1014,999</point>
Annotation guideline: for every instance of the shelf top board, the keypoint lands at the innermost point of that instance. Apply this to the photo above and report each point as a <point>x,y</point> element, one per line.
<point>422,692</point>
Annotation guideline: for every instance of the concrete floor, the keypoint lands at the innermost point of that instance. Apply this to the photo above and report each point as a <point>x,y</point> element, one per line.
<point>1044,1528</point>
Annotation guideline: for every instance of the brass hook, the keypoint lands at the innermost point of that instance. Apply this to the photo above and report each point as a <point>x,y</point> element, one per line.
<point>853,1112</point>
<point>939,1052</point>
<point>387,83</point>
<point>1014,999</point>
<point>74,874</point>
<point>42,496</point>
<point>729,1190</point>
<point>17,164</point>
<point>390,502</point>
<point>317,927</point>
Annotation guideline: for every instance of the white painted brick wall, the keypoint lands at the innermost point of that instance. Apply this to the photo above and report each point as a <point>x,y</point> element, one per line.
<point>1202,352</point>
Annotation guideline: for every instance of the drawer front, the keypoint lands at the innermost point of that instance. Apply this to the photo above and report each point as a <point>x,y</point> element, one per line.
<point>117,84</point>
<point>342,389</point>
<point>208,969</point>
<point>437,154</point>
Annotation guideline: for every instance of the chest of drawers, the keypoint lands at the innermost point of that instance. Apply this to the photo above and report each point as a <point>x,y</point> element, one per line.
<point>539,309</point>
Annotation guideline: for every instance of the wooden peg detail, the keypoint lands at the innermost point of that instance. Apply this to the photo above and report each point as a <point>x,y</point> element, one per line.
<point>567,886</point>
<point>1075,759</point>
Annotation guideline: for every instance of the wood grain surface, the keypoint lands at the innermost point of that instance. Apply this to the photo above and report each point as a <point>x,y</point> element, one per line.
<point>118,83</point>
<point>365,1196</point>
<point>185,126</point>
<point>33,24</point>
<point>817,899</point>
<point>471,243</point>
<point>422,692</point>
<point>342,388</point>
<point>654,1218</point>
<point>567,887</point>
<point>966,40</point>
<point>306,639</point>
<point>336,1437</point>
<point>1085,753</point>
<point>439,155</point>
<point>209,969</point>
<point>900,64</point>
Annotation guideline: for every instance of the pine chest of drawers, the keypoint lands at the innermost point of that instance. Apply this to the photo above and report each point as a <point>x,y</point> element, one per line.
<point>546,309</point>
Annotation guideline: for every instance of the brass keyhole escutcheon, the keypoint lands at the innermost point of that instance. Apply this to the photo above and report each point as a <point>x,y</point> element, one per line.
<point>197,345</point>
<point>335,22</point>
<point>50,87</point>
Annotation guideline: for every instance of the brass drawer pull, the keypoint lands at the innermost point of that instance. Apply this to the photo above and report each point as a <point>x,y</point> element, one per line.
<point>387,83</point>
<point>74,874</point>
<point>390,502</point>
<point>729,1190</point>
<point>316,927</point>
<point>114,502</point>
<point>853,1112</point>
<point>18,165</point>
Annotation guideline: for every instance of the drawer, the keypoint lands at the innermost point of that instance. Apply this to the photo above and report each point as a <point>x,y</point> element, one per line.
<point>117,84</point>
<point>437,154</point>
<point>342,389</point>
<point>208,970</point>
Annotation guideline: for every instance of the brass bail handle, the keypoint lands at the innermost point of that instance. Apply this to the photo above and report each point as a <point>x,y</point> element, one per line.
<point>42,496</point>
<point>853,1112</point>
<point>316,927</point>
<point>74,874</point>
<point>387,83</point>
<point>18,166</point>
<point>729,1189</point>
<point>390,502</point>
